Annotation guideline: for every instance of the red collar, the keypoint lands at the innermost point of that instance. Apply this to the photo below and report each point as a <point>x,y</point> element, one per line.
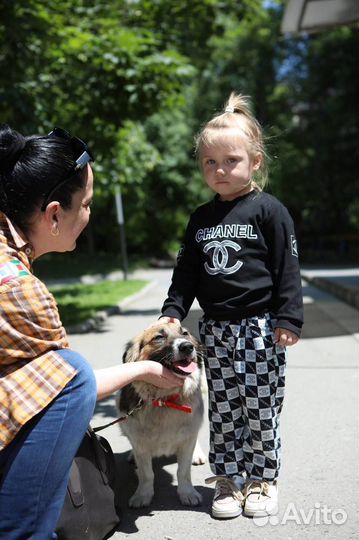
<point>170,402</point>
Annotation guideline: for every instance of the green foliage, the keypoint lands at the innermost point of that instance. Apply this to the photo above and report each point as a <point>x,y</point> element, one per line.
<point>243,57</point>
<point>137,78</point>
<point>318,171</point>
<point>87,74</point>
<point>77,303</point>
<point>72,265</point>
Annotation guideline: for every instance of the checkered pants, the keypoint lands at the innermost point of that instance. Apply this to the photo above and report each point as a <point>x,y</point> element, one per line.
<point>245,375</point>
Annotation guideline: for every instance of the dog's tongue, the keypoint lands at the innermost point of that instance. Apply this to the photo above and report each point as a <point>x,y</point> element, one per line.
<point>186,368</point>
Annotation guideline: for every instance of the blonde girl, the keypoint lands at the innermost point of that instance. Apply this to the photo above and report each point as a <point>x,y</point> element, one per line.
<point>240,260</point>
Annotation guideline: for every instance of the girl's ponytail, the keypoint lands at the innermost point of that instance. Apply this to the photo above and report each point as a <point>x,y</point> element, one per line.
<point>237,103</point>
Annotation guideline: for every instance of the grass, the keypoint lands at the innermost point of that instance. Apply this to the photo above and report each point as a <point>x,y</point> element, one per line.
<point>73,265</point>
<point>77,303</point>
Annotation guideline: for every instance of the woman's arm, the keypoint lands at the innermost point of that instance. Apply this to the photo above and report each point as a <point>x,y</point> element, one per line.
<point>111,379</point>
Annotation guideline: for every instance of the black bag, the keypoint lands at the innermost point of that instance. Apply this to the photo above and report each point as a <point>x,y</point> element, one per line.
<point>89,511</point>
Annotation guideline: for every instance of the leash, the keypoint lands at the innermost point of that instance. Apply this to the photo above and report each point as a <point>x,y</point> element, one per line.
<point>138,406</point>
<point>170,402</point>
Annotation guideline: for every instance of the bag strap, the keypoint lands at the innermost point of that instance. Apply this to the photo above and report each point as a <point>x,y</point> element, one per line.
<point>100,451</point>
<point>74,486</point>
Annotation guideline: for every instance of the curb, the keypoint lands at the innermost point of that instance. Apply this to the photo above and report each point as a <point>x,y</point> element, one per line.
<point>97,323</point>
<point>349,295</point>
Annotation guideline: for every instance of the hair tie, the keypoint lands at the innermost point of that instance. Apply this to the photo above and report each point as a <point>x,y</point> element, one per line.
<point>229,109</point>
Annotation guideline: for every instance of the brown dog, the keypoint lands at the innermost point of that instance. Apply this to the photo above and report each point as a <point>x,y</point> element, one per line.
<point>166,422</point>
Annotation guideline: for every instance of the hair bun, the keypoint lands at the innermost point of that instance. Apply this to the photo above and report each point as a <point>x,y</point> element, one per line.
<point>12,144</point>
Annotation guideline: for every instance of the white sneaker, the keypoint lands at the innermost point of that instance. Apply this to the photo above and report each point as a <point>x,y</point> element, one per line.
<point>260,498</point>
<point>228,498</point>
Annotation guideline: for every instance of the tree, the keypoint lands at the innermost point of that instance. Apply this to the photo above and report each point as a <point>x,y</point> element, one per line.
<point>137,80</point>
<point>315,176</point>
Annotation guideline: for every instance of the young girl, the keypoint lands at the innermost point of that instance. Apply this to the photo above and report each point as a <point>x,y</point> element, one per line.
<point>240,260</point>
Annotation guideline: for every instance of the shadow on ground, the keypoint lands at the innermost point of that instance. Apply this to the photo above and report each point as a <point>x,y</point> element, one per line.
<point>165,497</point>
<point>105,408</point>
<point>321,319</point>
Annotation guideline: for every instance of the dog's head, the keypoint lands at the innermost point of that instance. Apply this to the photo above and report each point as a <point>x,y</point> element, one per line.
<point>169,344</point>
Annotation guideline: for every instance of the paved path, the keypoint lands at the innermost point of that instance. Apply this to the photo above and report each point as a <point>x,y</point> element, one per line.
<point>319,479</point>
<point>341,282</point>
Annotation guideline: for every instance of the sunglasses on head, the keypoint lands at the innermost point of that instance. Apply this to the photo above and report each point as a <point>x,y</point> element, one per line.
<point>84,158</point>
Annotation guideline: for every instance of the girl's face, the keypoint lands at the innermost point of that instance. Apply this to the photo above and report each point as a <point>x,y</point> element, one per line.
<point>227,165</point>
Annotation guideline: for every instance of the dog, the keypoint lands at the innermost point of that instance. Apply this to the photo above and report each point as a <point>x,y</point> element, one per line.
<point>164,422</point>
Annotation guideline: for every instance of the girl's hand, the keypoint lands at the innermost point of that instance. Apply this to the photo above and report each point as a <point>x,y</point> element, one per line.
<point>166,320</point>
<point>285,337</point>
<point>156,374</point>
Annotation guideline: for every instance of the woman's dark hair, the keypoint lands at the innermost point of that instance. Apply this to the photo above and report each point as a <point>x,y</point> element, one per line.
<point>30,168</point>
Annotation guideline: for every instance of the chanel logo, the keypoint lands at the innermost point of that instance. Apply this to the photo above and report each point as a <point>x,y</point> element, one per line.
<point>294,245</point>
<point>220,257</point>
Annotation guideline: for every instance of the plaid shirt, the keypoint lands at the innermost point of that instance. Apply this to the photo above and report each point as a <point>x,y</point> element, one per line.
<point>32,374</point>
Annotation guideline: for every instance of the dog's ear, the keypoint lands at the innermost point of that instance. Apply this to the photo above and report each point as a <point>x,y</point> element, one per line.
<point>132,351</point>
<point>127,352</point>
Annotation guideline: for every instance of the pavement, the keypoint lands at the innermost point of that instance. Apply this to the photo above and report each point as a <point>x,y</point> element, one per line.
<point>341,282</point>
<point>319,478</point>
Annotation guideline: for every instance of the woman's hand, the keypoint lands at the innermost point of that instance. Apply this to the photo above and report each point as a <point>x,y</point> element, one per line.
<point>111,379</point>
<point>285,337</point>
<point>156,374</point>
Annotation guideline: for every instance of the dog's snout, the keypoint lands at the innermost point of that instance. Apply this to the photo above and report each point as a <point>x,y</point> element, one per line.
<point>186,347</point>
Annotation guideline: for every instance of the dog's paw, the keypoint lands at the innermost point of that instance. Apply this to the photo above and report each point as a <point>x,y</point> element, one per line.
<point>189,496</point>
<point>198,457</point>
<point>140,498</point>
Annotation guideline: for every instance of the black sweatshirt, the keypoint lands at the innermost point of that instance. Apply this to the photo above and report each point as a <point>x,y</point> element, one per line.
<point>239,259</point>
